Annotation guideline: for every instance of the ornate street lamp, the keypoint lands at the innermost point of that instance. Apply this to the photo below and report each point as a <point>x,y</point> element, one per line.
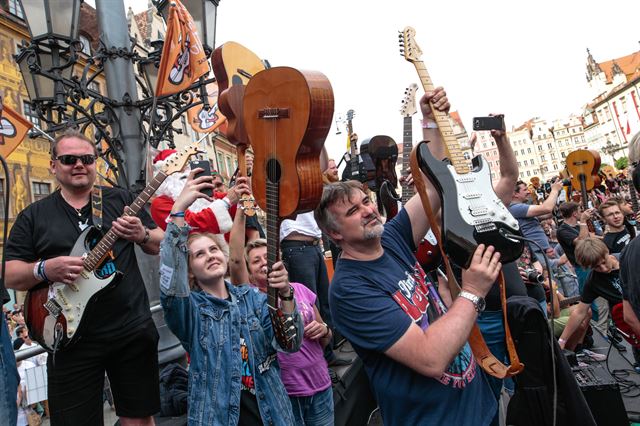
<point>62,97</point>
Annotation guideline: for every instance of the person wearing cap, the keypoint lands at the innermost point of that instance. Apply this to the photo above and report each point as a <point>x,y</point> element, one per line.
<point>203,215</point>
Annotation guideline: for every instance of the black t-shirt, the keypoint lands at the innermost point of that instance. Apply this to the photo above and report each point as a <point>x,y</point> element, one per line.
<point>49,228</point>
<point>566,234</point>
<point>607,286</point>
<point>514,286</point>
<point>617,241</point>
<point>252,222</point>
<point>630,274</point>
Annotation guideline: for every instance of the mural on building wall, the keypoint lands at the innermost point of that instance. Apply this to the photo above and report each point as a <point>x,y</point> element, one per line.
<point>19,191</point>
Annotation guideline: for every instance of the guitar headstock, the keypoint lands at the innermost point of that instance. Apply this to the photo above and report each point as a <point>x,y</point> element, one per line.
<point>408,46</point>
<point>408,107</point>
<point>177,162</point>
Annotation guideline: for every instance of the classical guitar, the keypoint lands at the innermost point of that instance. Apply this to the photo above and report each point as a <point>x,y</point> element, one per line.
<point>54,312</point>
<point>427,252</point>
<point>617,315</point>
<point>233,67</point>
<point>583,166</point>
<point>287,115</point>
<point>472,213</point>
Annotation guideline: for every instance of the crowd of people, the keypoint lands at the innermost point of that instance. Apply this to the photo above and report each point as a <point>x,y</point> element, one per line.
<point>253,363</point>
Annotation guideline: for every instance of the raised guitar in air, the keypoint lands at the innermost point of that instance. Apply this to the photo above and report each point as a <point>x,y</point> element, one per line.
<point>472,213</point>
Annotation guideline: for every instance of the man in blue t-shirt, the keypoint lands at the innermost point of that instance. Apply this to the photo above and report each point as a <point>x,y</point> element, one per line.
<point>414,349</point>
<point>527,215</point>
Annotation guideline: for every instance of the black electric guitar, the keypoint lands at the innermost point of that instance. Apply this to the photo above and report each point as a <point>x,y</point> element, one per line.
<point>359,167</point>
<point>55,312</point>
<point>472,213</point>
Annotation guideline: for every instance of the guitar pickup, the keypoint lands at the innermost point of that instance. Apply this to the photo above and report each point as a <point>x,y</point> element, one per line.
<point>479,212</point>
<point>53,307</point>
<point>465,179</point>
<point>472,196</point>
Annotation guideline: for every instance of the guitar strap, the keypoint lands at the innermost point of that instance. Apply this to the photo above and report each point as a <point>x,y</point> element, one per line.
<point>486,359</point>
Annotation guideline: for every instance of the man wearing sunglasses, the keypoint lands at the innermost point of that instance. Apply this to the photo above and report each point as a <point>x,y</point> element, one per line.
<point>119,336</point>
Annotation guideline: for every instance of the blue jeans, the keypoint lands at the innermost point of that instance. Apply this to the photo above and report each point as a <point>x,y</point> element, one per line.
<point>314,410</point>
<point>9,377</point>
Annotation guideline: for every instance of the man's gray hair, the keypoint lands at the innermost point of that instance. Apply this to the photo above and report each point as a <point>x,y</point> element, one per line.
<point>331,194</point>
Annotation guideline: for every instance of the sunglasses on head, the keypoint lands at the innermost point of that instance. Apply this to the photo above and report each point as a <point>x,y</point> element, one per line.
<point>71,160</point>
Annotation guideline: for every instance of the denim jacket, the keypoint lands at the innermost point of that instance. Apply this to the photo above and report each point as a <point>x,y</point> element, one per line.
<point>209,329</point>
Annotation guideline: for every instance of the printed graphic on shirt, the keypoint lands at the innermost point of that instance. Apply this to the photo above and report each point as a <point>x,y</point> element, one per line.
<point>306,311</point>
<point>107,266</point>
<point>247,378</point>
<point>419,299</point>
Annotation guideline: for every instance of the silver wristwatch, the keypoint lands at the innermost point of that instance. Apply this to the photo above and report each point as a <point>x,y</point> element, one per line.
<point>477,301</point>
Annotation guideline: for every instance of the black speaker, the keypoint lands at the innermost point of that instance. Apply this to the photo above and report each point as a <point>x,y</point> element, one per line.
<point>602,394</point>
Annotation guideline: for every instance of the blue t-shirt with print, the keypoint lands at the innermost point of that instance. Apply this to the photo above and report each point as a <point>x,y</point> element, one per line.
<point>529,226</point>
<point>373,303</point>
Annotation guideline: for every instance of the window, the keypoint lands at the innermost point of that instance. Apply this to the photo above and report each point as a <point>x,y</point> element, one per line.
<point>229,163</point>
<point>94,85</point>
<point>553,156</point>
<point>549,145</point>
<point>564,155</point>
<point>528,150</point>
<point>221,167</point>
<point>519,164</point>
<point>528,173</point>
<point>542,158</point>
<point>86,45</point>
<point>533,162</point>
<point>526,163</point>
<point>555,167</point>
<point>185,127</point>
<point>522,151</point>
<point>40,190</point>
<point>30,113</point>
<point>15,8</point>
<point>539,147</point>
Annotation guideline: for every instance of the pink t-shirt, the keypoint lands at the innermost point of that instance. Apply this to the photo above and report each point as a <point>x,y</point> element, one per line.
<point>304,373</point>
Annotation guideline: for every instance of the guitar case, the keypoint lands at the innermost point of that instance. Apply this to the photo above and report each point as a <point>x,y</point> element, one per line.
<point>532,402</point>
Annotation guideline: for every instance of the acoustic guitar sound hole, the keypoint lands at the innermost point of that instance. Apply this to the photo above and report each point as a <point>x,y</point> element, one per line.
<point>273,171</point>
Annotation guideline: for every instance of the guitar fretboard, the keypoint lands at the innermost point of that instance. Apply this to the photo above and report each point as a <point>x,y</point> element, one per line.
<point>407,146</point>
<point>273,235</point>
<point>454,152</point>
<point>95,256</point>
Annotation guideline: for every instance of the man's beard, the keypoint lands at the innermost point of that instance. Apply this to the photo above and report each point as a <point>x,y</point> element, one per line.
<point>330,178</point>
<point>375,232</point>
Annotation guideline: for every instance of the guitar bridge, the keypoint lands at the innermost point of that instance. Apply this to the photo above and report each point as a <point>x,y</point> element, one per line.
<point>53,307</point>
<point>486,227</point>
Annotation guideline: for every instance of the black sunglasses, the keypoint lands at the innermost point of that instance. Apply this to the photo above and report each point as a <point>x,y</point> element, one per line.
<point>71,160</point>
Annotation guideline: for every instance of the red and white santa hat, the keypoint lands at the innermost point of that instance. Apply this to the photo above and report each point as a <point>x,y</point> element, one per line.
<point>163,157</point>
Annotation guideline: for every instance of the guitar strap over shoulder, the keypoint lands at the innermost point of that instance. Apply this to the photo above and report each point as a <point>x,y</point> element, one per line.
<point>486,359</point>
<point>96,206</point>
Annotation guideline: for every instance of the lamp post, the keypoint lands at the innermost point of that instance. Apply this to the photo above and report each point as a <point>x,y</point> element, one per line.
<point>611,149</point>
<point>58,80</point>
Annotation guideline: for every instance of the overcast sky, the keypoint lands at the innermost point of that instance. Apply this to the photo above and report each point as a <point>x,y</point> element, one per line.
<point>524,59</point>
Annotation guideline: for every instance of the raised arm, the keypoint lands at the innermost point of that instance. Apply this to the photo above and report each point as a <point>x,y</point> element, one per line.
<point>508,167</point>
<point>237,265</point>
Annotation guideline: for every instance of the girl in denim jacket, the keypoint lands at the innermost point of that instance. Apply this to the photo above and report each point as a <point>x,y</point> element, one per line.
<point>234,376</point>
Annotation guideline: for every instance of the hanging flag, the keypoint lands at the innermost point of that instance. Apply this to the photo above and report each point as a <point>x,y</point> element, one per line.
<point>13,128</point>
<point>183,60</point>
<point>203,121</point>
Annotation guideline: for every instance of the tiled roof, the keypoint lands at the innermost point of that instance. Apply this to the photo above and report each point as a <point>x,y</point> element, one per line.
<point>630,66</point>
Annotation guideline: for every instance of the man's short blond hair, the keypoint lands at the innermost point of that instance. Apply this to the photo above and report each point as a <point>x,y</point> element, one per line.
<point>591,252</point>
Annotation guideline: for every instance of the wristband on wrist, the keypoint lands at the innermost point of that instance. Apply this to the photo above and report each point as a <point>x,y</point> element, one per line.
<point>36,271</point>
<point>429,124</point>
<point>288,298</point>
<point>177,214</point>
<point>227,202</point>
<point>328,330</point>
<point>147,236</point>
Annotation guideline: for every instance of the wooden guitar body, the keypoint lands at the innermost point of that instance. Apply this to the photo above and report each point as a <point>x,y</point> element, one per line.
<point>586,163</point>
<point>234,64</point>
<point>287,115</point>
<point>287,147</point>
<point>470,218</point>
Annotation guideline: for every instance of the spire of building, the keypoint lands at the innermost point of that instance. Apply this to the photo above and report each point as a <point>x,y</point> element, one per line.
<point>593,68</point>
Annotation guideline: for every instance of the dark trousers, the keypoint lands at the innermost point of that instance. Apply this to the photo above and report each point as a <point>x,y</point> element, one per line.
<point>305,263</point>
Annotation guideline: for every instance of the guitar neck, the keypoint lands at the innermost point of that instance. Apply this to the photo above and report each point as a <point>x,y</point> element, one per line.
<point>105,244</point>
<point>352,152</point>
<point>273,236</point>
<point>569,301</point>
<point>634,197</point>
<point>454,152</point>
<point>407,146</point>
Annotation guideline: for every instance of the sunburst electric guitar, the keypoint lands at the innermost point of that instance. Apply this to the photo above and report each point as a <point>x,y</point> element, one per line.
<point>55,311</point>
